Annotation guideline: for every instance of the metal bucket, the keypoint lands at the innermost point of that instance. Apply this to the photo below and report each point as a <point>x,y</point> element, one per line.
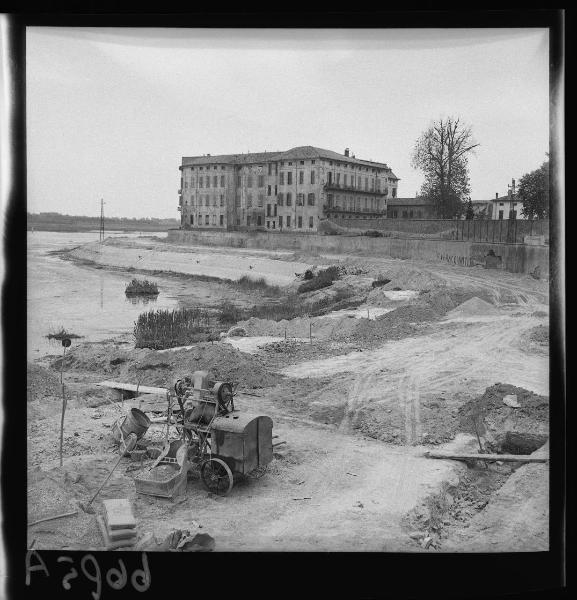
<point>134,422</point>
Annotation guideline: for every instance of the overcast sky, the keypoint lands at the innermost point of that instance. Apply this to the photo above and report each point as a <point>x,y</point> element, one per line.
<point>110,112</point>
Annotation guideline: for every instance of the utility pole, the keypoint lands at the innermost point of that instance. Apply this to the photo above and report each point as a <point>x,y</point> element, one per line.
<point>512,199</point>
<point>101,232</point>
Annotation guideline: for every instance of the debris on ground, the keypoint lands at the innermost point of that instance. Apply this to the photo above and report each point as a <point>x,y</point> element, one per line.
<point>511,400</point>
<point>182,541</point>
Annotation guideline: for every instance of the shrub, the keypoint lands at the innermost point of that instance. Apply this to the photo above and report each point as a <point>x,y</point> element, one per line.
<point>308,275</point>
<point>229,313</point>
<point>380,281</point>
<point>323,279</point>
<point>139,287</point>
<point>260,284</point>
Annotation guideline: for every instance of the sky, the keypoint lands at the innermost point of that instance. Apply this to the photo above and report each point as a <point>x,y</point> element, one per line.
<point>111,112</point>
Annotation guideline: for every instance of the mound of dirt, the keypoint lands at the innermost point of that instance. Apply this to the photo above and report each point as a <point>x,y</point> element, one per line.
<point>473,308</point>
<point>41,382</point>
<point>501,424</point>
<point>397,324</point>
<point>150,367</point>
<point>386,425</point>
<point>104,358</point>
<point>221,360</point>
<point>322,328</point>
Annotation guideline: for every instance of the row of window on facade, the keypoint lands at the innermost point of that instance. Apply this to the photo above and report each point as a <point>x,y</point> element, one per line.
<point>282,221</point>
<point>208,220</point>
<point>207,200</point>
<point>352,203</point>
<point>406,214</point>
<point>281,199</point>
<point>302,163</point>
<point>205,181</point>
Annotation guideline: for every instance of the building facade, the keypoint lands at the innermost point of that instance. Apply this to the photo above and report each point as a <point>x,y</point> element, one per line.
<point>292,190</point>
<point>410,208</point>
<point>507,207</point>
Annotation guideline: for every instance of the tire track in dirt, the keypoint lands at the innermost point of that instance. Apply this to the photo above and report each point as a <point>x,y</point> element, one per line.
<point>489,353</point>
<point>410,398</point>
<point>358,394</point>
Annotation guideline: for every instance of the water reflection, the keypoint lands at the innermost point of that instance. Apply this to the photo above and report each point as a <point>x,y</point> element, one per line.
<point>141,299</point>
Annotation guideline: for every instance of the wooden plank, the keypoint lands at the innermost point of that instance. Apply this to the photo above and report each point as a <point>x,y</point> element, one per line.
<point>524,458</point>
<point>119,514</point>
<point>68,514</point>
<point>122,534</point>
<point>131,387</point>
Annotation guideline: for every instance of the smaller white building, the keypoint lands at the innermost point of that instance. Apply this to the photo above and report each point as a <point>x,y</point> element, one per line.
<point>507,207</point>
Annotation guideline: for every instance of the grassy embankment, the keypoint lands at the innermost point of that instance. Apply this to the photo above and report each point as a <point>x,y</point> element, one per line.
<point>162,329</point>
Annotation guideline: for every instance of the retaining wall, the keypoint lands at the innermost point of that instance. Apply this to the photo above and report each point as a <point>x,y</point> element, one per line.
<point>516,258</point>
<point>485,230</point>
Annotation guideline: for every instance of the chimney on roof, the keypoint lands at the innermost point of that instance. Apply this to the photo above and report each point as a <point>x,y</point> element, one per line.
<point>208,154</point>
<point>496,195</point>
<point>346,151</point>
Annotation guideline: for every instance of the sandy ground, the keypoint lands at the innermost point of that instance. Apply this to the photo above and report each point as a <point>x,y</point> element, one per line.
<point>214,262</point>
<point>354,423</point>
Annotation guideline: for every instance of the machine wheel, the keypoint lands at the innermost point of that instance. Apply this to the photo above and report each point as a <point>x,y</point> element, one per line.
<point>217,476</point>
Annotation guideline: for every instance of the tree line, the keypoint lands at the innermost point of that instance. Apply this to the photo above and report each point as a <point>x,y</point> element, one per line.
<point>54,221</point>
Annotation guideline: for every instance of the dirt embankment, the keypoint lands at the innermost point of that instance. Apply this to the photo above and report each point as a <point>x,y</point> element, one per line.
<point>516,518</point>
<point>497,508</point>
<point>494,506</point>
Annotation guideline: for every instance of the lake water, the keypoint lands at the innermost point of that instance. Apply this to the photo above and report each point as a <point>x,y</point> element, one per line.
<point>87,301</point>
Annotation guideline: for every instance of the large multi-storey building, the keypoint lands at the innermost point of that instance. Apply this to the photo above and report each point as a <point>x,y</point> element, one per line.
<point>290,190</point>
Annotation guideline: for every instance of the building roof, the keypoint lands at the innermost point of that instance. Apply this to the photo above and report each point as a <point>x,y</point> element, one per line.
<point>408,202</point>
<point>230,159</point>
<point>299,152</point>
<point>504,198</point>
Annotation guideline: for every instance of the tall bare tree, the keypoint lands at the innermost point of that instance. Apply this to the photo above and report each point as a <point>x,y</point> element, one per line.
<point>442,154</point>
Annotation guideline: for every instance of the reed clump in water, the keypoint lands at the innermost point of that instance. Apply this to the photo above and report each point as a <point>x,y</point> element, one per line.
<point>62,334</point>
<point>260,284</point>
<point>141,287</point>
<point>161,329</point>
